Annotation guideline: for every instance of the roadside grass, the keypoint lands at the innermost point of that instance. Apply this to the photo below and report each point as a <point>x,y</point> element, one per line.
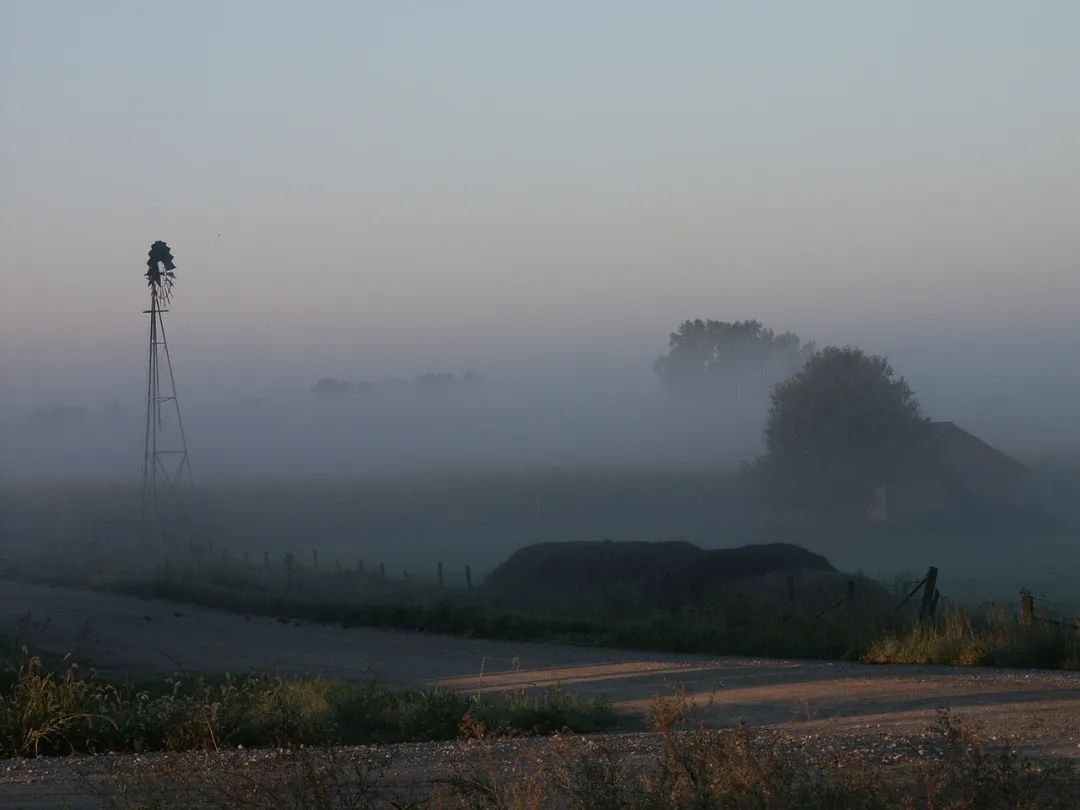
<point>63,710</point>
<point>687,766</point>
<point>961,639</point>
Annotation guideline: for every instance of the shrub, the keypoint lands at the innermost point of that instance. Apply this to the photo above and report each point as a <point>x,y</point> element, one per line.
<point>42,712</point>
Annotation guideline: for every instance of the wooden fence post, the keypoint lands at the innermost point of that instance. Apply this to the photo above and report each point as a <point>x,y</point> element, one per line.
<point>1027,607</point>
<point>926,609</point>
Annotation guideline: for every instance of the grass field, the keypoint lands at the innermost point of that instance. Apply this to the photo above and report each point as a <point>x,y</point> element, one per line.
<point>477,518</point>
<point>367,552</point>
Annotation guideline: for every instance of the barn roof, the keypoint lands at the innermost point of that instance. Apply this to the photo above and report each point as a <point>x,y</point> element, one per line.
<point>964,464</point>
<point>941,437</point>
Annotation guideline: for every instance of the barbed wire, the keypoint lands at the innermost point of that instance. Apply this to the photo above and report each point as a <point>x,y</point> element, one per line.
<point>1056,603</point>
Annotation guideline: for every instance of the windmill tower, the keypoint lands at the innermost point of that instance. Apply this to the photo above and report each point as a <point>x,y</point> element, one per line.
<point>166,466</point>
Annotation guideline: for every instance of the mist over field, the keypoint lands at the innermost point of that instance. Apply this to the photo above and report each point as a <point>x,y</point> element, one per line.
<point>596,410</point>
<point>529,201</point>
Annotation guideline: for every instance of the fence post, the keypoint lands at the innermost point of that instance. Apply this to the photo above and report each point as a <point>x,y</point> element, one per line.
<point>926,609</point>
<point>791,589</point>
<point>468,577</point>
<point>440,575</point>
<point>1027,607</point>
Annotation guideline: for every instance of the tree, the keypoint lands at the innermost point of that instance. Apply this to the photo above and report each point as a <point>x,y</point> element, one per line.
<point>731,356</point>
<point>331,388</point>
<point>838,428</point>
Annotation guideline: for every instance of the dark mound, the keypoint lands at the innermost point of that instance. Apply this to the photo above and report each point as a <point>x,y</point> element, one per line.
<point>661,574</point>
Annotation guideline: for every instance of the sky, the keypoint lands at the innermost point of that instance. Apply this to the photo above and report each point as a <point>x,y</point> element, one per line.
<point>370,189</point>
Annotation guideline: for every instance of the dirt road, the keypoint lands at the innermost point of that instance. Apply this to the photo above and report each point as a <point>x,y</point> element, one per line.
<point>125,635</point>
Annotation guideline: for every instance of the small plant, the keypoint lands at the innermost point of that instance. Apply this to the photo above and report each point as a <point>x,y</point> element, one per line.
<point>45,712</point>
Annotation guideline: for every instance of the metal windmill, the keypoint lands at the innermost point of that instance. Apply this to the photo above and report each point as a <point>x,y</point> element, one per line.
<point>165,461</point>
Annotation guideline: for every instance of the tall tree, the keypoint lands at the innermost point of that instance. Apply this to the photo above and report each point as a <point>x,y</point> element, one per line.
<point>711,355</point>
<point>838,428</point>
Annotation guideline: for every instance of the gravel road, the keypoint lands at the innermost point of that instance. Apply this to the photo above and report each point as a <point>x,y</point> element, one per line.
<point>1039,711</point>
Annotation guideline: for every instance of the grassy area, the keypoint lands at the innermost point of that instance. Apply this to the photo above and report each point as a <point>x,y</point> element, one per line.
<point>58,708</point>
<point>479,517</point>
<point>961,639</point>
<point>686,766</point>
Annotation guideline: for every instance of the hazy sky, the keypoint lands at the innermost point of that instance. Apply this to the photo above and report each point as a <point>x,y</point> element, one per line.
<point>370,188</point>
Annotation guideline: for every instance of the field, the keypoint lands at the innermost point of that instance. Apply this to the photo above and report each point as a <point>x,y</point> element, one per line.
<point>318,579</point>
<point>409,523</point>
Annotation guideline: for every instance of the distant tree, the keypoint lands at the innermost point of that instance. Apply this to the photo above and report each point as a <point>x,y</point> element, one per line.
<point>436,381</point>
<point>837,429</point>
<point>709,354</point>
<point>328,388</point>
<point>61,417</point>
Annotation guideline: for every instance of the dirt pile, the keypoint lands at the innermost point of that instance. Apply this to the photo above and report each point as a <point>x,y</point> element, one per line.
<point>638,574</point>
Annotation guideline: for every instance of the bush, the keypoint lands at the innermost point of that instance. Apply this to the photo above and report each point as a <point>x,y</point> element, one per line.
<point>43,712</point>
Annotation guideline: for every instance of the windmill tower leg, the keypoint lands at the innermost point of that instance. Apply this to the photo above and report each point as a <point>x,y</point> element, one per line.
<point>149,516</point>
